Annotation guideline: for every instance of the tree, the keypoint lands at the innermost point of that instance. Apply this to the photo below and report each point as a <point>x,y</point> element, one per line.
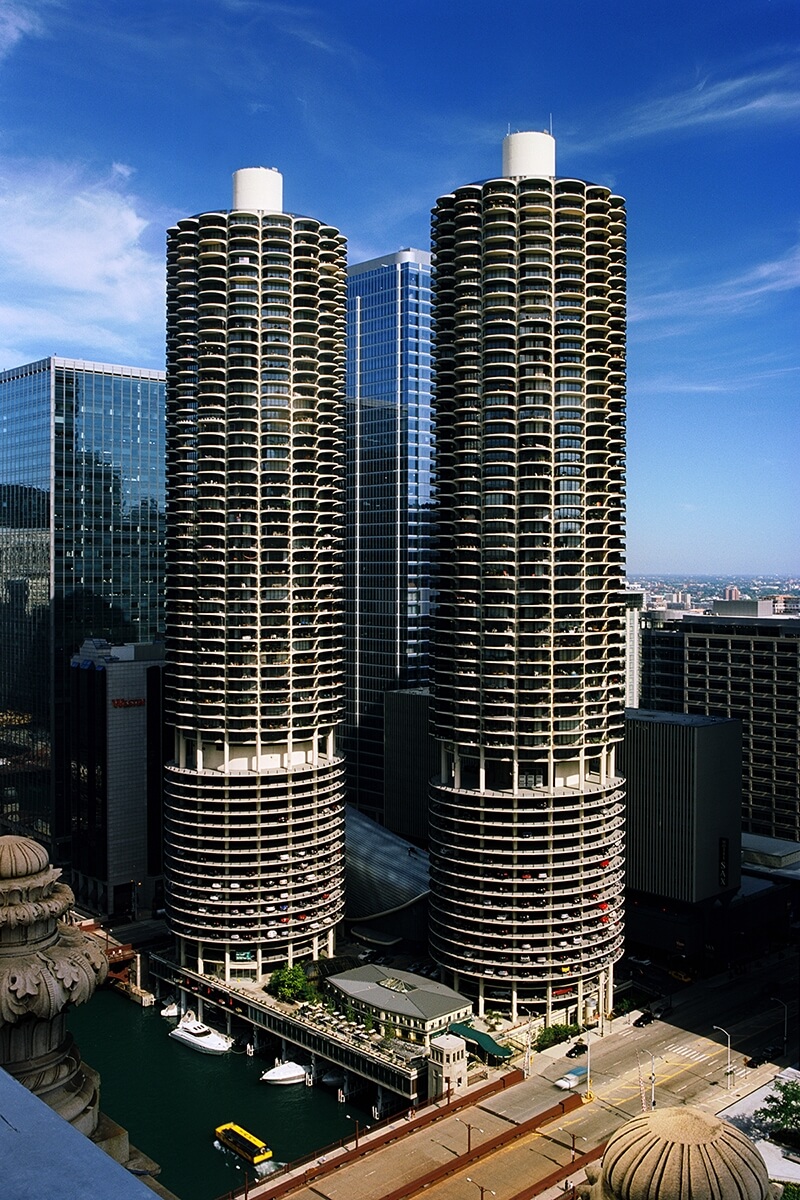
<point>290,983</point>
<point>781,1112</point>
<point>552,1035</point>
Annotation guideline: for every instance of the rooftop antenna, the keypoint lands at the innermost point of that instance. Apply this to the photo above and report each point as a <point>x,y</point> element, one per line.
<point>509,127</point>
<point>551,124</point>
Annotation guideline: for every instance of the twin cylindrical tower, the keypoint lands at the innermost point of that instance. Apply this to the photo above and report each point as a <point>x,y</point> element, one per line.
<point>527,660</point>
<point>526,816</point>
<point>254,816</point>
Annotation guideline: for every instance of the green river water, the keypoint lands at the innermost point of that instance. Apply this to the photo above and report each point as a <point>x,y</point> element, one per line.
<point>170,1098</point>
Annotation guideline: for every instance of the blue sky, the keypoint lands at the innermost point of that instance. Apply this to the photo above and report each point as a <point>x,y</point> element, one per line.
<point>119,116</point>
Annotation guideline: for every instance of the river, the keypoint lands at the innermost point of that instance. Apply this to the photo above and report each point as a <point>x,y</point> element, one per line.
<point>170,1098</point>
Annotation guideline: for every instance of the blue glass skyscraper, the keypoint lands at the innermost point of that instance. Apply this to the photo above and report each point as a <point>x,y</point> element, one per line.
<point>81,555</point>
<point>388,548</point>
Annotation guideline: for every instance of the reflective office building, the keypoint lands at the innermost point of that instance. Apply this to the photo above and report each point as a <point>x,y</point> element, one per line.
<point>81,555</point>
<point>388,538</point>
<point>528,646</point>
<point>254,800</point>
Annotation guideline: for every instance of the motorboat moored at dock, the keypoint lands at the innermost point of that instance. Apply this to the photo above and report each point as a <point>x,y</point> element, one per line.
<point>194,1033</point>
<point>286,1072</point>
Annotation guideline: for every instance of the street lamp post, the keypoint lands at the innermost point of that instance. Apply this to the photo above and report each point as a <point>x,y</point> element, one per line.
<point>469,1129</point>
<point>481,1187</point>
<point>354,1119</point>
<point>777,1000</point>
<point>574,1137</point>
<point>728,1068</point>
<point>652,1080</point>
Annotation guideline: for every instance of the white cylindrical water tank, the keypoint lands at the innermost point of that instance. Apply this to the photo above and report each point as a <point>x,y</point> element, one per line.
<point>258,189</point>
<point>529,155</point>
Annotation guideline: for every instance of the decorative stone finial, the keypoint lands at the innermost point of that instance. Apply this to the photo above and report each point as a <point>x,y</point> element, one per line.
<point>45,966</point>
<point>681,1153</point>
<point>21,856</point>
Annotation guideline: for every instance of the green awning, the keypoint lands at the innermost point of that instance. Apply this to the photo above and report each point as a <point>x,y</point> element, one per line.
<point>486,1043</point>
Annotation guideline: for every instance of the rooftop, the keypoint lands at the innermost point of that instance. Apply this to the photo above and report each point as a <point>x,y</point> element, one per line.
<point>400,992</point>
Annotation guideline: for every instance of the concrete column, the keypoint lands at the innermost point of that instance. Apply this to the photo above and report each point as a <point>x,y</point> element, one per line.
<point>480,998</point>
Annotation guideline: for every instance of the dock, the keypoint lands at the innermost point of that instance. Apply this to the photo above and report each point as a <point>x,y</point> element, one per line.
<point>401,1070</point>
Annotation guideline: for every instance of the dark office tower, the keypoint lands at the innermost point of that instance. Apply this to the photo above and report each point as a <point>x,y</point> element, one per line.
<point>254,816</point>
<point>528,646</point>
<point>388,546</point>
<point>81,555</point>
<point>746,667</point>
<point>117,759</point>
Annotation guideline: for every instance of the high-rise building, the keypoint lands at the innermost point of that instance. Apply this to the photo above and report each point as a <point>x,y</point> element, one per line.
<point>528,647</point>
<point>254,803</point>
<point>683,784</point>
<point>746,667</point>
<point>634,606</point>
<point>116,782</point>
<point>388,538</point>
<point>81,555</point>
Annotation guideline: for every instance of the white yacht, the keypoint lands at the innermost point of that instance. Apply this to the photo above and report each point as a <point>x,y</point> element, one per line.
<point>287,1072</point>
<point>194,1033</point>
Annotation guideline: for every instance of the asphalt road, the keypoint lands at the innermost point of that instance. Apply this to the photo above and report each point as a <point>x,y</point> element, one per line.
<point>687,1056</point>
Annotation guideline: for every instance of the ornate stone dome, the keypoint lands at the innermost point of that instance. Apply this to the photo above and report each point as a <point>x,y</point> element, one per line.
<point>683,1154</point>
<point>21,856</point>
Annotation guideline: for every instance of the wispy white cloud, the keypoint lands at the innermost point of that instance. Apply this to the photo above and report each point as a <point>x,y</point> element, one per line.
<point>19,19</point>
<point>676,308</point>
<point>75,272</point>
<point>759,96</point>
<point>756,97</point>
<point>726,383</point>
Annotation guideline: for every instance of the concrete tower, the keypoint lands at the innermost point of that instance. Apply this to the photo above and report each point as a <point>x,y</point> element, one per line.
<point>527,662</point>
<point>254,819</point>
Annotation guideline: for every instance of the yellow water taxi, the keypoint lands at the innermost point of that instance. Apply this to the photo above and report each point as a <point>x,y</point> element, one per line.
<point>245,1144</point>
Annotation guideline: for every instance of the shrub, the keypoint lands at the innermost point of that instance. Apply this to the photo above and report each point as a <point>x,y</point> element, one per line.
<point>553,1035</point>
